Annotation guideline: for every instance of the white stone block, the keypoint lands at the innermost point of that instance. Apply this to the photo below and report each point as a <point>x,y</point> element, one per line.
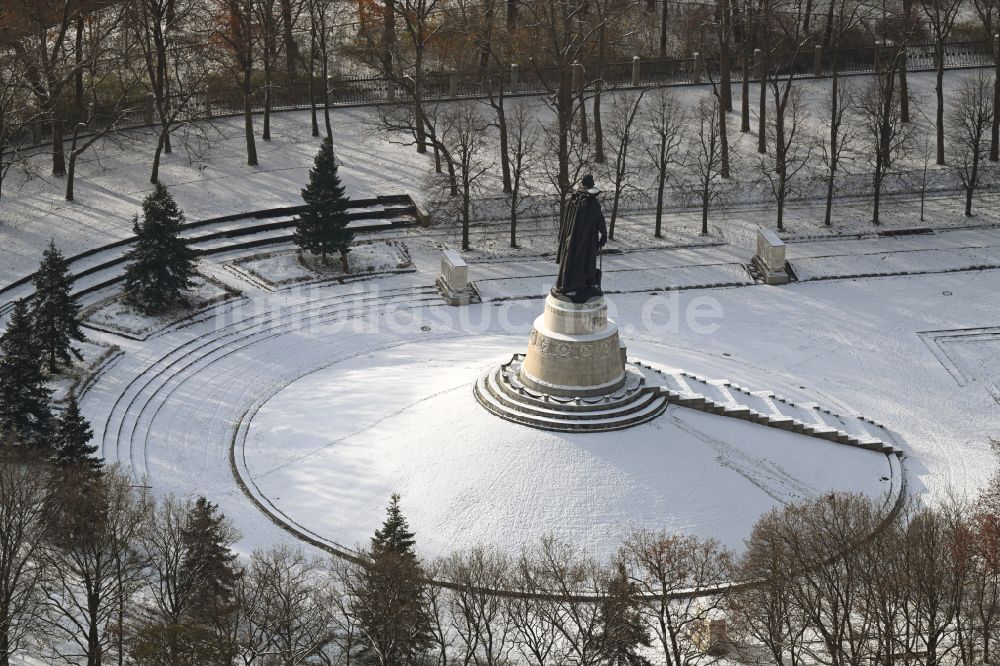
<point>454,270</point>
<point>770,257</point>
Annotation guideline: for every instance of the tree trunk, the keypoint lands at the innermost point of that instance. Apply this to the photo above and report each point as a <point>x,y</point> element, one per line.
<point>78,74</point>
<point>834,140</point>
<point>723,142</point>
<point>248,121</point>
<point>704,209</point>
<point>725,68</point>
<point>154,177</point>
<point>598,129</point>
<point>326,94</point>
<point>504,139</point>
<point>58,152</point>
<point>745,99</point>
<point>877,189</point>
<point>266,133</point>
<point>904,97</point>
<point>762,112</point>
<point>465,211</point>
<point>291,48</point>
<point>513,220</point>
<point>661,182</point>
<point>389,34</point>
<point>973,181</point>
<point>418,108</point>
<point>995,127</point>
<point>663,30</point>
<point>939,92</point>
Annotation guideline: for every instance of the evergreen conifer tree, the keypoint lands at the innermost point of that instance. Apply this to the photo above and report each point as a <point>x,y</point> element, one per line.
<point>322,227</point>
<point>623,634</point>
<point>25,412</point>
<point>161,264</point>
<point>55,310</point>
<point>72,438</point>
<point>209,566</point>
<point>391,606</point>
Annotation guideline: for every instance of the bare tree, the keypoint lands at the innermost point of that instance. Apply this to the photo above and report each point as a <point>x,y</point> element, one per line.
<point>51,62</point>
<point>176,70</point>
<point>234,30</point>
<point>463,131</point>
<point>485,629</point>
<point>16,115</point>
<point>970,117</point>
<point>563,37</point>
<point>842,136</point>
<point>662,565</point>
<point>791,152</point>
<point>23,517</point>
<point>979,616</point>
<point>624,112</point>
<point>888,136</point>
<point>267,20</point>
<point>295,617</point>
<point>93,562</point>
<point>576,583</point>
<point>663,131</point>
<point>522,157</point>
<point>988,12</point>
<point>941,16</point>
<point>110,94</point>
<point>704,157</point>
<point>765,610</point>
<point>530,609</point>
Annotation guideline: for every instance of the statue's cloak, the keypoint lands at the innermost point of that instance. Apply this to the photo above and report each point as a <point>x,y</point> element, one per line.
<point>579,243</point>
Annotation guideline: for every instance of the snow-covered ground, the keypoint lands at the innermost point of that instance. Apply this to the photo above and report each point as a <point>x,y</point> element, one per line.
<point>209,177</point>
<point>331,396</point>
<point>339,393</point>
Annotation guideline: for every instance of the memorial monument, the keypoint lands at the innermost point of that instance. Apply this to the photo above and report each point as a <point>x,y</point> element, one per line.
<point>574,349</point>
<point>575,375</point>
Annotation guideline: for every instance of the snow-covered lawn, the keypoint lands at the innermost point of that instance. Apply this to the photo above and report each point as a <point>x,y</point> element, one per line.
<point>366,387</point>
<point>117,315</point>
<point>285,267</point>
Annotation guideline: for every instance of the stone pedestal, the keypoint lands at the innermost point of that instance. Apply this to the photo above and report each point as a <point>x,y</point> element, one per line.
<point>574,350</point>
<point>770,257</point>
<point>453,283</point>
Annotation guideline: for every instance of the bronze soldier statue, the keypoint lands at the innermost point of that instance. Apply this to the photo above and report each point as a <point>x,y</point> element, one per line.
<point>582,234</point>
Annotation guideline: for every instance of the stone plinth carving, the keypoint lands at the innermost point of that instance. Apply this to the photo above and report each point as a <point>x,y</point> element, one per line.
<point>574,350</point>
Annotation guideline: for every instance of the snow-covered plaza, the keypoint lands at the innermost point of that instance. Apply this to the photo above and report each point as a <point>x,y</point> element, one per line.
<point>300,408</point>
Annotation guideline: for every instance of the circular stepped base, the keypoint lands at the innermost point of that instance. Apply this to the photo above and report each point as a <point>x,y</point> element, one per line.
<point>501,392</point>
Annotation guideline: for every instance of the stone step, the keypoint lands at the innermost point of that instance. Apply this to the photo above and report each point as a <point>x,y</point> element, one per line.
<point>523,397</point>
<point>570,421</point>
<point>494,383</point>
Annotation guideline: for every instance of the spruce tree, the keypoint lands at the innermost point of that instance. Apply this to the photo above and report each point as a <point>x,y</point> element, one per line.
<point>391,606</point>
<point>72,438</point>
<point>161,264</point>
<point>208,564</point>
<point>322,227</point>
<point>55,310</point>
<point>25,412</point>
<point>623,634</point>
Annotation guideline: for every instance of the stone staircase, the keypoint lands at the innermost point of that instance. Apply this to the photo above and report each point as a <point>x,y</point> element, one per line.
<point>501,393</point>
<point>648,392</point>
<point>764,407</point>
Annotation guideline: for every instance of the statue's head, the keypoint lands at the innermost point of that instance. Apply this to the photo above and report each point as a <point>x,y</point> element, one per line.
<point>587,185</point>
